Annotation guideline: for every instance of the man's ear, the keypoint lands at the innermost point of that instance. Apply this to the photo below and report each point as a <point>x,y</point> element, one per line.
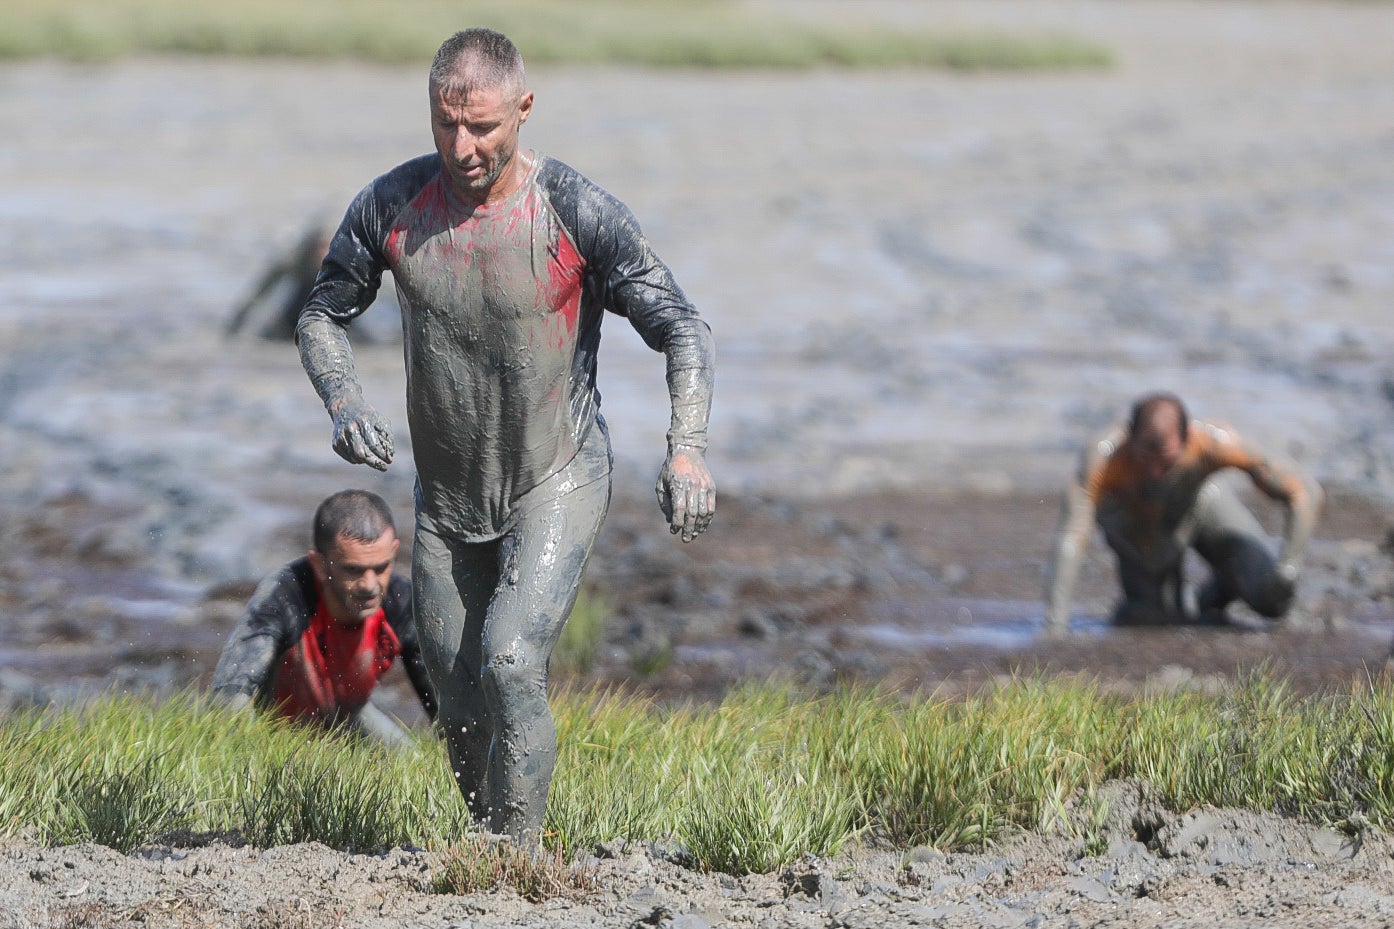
<point>319,564</point>
<point>524,108</point>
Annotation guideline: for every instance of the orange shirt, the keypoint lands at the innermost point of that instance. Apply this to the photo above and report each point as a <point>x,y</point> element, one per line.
<point>1111,472</point>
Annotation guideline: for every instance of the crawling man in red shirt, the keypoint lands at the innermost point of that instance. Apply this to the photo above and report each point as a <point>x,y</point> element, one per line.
<point>318,635</point>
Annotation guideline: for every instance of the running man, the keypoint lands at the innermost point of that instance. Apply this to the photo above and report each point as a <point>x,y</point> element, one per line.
<point>319,634</point>
<point>1152,487</point>
<point>504,261</point>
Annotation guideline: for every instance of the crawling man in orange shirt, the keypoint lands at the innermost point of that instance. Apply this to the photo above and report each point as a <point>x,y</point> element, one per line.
<point>1152,486</point>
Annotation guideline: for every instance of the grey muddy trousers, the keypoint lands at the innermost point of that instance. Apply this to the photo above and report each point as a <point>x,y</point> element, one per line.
<point>488,615</point>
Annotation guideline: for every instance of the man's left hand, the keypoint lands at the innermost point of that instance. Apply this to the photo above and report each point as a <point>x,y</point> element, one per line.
<point>1283,584</point>
<point>686,492</point>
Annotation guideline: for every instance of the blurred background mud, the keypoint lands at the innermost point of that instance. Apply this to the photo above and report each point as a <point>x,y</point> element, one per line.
<point>928,289</point>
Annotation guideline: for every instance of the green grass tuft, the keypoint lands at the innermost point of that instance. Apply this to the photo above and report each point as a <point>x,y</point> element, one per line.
<point>748,785</point>
<point>582,637</point>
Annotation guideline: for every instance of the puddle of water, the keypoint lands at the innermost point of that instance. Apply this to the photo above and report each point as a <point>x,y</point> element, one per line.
<point>91,664</point>
<point>154,611</point>
<point>945,371</point>
<point>1011,625</point>
<point>1007,635</point>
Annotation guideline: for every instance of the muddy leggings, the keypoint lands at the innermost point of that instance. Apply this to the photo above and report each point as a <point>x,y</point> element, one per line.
<point>1243,566</point>
<point>488,615</point>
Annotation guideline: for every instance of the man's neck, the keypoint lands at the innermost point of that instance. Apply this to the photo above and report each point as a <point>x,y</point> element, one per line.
<point>503,188</point>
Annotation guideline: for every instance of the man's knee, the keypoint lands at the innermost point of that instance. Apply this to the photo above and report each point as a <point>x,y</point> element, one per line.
<point>1245,567</point>
<point>461,714</point>
<point>1273,597</point>
<point>513,677</point>
<point>1150,591</point>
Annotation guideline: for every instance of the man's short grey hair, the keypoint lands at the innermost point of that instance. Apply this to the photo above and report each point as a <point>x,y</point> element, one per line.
<point>355,514</point>
<point>478,58</point>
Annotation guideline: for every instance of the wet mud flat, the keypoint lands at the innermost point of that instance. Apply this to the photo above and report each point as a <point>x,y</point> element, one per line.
<point>920,592</point>
<point>912,347</point>
<point>945,594</point>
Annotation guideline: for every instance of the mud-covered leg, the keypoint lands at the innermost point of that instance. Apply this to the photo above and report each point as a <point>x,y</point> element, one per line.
<point>540,564</point>
<point>452,582</point>
<point>1150,595</point>
<point>1240,556</point>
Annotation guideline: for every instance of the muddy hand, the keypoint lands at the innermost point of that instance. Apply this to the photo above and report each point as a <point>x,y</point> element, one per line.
<point>1281,588</point>
<point>686,492</point>
<point>363,436</point>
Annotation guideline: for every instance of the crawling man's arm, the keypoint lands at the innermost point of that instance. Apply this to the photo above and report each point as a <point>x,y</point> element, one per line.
<point>1072,536</point>
<point>255,644</point>
<point>1301,496</point>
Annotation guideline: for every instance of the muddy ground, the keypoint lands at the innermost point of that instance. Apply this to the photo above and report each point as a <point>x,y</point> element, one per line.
<point>1152,867</point>
<point>928,290</point>
<point>917,591</point>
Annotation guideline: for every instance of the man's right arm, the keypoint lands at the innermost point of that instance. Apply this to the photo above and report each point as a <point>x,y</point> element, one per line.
<point>255,644</point>
<point>348,282</point>
<point>1071,538</point>
<point>361,434</point>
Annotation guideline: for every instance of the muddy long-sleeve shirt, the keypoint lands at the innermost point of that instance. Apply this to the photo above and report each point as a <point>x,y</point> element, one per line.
<point>275,620</point>
<point>1149,518</point>
<point>501,311</point>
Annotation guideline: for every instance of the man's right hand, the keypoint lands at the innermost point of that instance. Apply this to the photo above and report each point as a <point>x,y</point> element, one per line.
<point>362,435</point>
<point>1056,625</point>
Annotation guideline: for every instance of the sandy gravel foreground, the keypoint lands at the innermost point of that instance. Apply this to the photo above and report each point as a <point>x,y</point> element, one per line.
<point>1203,868</point>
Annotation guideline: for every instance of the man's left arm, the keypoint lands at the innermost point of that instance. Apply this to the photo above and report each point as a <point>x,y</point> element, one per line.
<point>1300,495</point>
<point>685,488</point>
<point>633,282</point>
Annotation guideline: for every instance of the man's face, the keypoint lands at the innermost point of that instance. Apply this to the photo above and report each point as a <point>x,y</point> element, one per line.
<point>477,135</point>
<point>353,575</point>
<point>1157,446</point>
